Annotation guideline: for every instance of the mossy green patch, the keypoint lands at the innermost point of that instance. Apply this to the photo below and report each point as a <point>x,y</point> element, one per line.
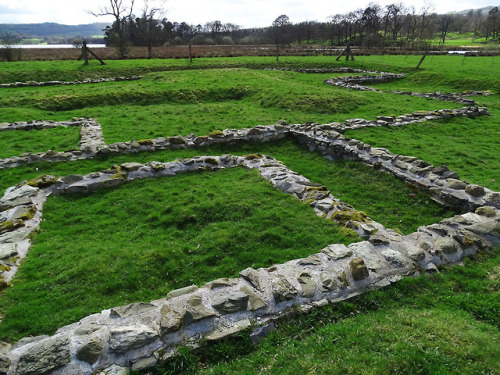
<point>10,225</point>
<point>216,133</point>
<point>42,181</point>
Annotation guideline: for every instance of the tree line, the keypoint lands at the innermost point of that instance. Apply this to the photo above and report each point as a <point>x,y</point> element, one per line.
<point>373,27</point>
<point>394,25</point>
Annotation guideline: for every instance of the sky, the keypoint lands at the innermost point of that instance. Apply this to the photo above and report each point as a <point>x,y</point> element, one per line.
<point>245,13</point>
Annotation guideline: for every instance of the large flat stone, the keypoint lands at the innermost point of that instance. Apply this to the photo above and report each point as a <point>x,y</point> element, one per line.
<point>337,251</point>
<point>195,310</point>
<point>44,357</point>
<point>123,339</point>
<point>231,302</point>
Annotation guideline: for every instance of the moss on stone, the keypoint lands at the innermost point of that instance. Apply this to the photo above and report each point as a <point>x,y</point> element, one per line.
<point>146,142</point>
<point>10,225</point>
<point>211,161</point>
<point>29,215</point>
<point>316,188</point>
<point>343,217</point>
<point>177,140</point>
<point>120,175</point>
<point>216,133</point>
<point>4,268</point>
<point>42,181</point>
<point>253,156</point>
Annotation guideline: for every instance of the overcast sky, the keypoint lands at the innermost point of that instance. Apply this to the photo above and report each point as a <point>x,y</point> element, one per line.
<point>246,13</point>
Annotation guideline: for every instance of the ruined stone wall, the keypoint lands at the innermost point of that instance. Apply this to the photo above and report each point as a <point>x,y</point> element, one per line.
<point>139,335</point>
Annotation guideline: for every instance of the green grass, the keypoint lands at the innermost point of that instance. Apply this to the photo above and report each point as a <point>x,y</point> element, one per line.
<point>404,329</point>
<point>200,101</point>
<point>144,239</point>
<point>16,142</point>
<point>445,324</point>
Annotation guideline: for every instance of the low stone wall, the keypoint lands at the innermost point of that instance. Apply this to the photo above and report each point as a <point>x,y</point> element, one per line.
<point>92,143</point>
<point>358,83</point>
<point>64,83</point>
<point>38,124</point>
<point>442,185</point>
<point>139,335</point>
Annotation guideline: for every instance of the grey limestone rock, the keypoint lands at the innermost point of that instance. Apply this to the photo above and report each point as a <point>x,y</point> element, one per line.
<point>486,211</point>
<point>328,281</point>
<point>253,277</point>
<point>131,166</point>
<point>123,339</point>
<point>222,332</point>
<point>307,284</point>
<point>8,250</point>
<point>255,301</point>
<point>365,251</point>
<point>415,253</point>
<point>337,251</point>
<point>282,289</point>
<point>133,309</point>
<point>493,199</point>
<point>182,291</point>
<point>90,351</point>
<point>491,228</point>
<point>475,190</point>
<point>170,320</point>
<point>44,357</point>
<point>145,363</point>
<point>456,184</point>
<point>195,310</point>
<point>221,283</point>
<point>394,257</point>
<point>446,245</point>
<point>232,302</point>
<point>311,260</point>
<point>358,268</point>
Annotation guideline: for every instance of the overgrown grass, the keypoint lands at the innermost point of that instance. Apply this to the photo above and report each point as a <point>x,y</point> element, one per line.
<point>443,324</point>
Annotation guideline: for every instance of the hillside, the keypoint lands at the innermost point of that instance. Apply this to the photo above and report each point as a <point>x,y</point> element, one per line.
<point>483,10</point>
<point>50,29</point>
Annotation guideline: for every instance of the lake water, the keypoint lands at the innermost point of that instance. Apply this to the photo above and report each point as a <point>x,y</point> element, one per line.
<point>57,46</point>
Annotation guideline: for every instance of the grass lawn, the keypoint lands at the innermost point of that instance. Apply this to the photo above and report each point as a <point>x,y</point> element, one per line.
<point>444,324</point>
<point>15,142</point>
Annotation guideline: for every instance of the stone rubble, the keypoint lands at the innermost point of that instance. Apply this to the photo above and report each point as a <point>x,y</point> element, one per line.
<point>63,83</point>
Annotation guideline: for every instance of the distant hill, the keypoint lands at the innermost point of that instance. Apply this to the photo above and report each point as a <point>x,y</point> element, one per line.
<point>484,10</point>
<point>49,29</point>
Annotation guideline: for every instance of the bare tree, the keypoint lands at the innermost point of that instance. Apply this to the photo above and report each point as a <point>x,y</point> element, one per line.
<point>493,23</point>
<point>8,49</point>
<point>121,12</point>
<point>394,19</point>
<point>476,19</point>
<point>425,20</point>
<point>444,24</point>
<point>152,11</point>
<point>280,30</point>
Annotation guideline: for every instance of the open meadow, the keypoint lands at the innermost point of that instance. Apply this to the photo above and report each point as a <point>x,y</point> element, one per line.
<point>139,241</point>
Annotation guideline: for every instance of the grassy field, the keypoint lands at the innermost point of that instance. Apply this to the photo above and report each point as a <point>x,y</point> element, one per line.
<point>155,227</point>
